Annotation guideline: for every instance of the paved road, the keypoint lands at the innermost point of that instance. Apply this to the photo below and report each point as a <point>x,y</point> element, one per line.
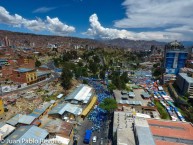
<point>86,124</point>
<point>55,75</point>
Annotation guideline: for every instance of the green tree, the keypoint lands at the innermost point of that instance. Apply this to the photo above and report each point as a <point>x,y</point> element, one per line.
<point>117,81</point>
<point>187,95</point>
<point>80,63</point>
<point>156,65</point>
<point>78,72</point>
<point>157,72</point>
<point>38,63</point>
<point>96,59</point>
<point>102,74</point>
<point>66,78</point>
<point>124,77</point>
<point>85,82</point>
<point>93,66</point>
<point>111,87</point>
<point>108,104</point>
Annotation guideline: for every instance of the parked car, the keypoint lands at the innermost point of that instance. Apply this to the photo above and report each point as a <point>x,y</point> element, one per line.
<point>101,141</point>
<point>94,139</point>
<point>75,142</point>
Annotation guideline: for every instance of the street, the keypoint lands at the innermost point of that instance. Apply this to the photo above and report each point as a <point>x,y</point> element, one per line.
<point>86,124</point>
<point>55,75</point>
<point>94,120</point>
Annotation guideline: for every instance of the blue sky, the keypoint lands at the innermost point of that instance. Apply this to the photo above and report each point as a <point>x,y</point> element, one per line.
<point>163,20</point>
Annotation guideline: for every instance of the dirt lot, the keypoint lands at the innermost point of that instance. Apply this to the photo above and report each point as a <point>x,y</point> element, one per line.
<point>27,105</point>
<point>23,106</point>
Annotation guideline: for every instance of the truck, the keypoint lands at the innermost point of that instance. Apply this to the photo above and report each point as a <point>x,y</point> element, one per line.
<point>87,136</point>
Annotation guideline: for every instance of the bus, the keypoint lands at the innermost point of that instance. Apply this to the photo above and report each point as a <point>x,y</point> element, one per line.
<point>87,136</point>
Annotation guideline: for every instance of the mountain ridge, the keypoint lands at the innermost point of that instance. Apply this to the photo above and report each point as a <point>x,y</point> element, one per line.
<point>43,40</point>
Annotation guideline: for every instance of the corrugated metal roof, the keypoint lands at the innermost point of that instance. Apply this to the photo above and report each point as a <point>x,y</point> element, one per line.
<point>61,108</point>
<point>39,111</point>
<point>82,93</point>
<point>26,119</point>
<point>130,102</point>
<point>19,118</point>
<point>42,73</point>
<point>44,66</point>
<point>22,70</point>
<point>25,133</point>
<point>73,94</point>
<point>14,120</point>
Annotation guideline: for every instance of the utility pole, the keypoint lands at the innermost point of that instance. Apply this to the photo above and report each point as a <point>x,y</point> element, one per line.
<point>1,91</point>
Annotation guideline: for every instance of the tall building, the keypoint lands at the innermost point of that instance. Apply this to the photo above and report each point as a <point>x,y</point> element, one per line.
<point>6,41</point>
<point>175,57</point>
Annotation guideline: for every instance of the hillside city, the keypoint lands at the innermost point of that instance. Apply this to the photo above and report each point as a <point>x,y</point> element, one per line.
<point>77,91</point>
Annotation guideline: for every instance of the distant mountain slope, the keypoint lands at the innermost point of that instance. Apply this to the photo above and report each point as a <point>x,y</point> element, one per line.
<point>134,44</point>
<point>18,39</point>
<point>25,39</point>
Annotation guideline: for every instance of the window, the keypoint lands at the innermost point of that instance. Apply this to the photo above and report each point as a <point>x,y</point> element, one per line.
<point>18,74</point>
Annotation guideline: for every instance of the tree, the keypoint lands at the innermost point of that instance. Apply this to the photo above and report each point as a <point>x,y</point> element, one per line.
<point>96,59</point>
<point>85,82</point>
<point>187,95</point>
<point>66,78</point>
<point>102,74</point>
<point>78,72</point>
<point>108,104</point>
<point>111,87</point>
<point>93,66</point>
<point>156,65</point>
<point>117,81</point>
<point>157,72</point>
<point>80,63</point>
<point>38,63</point>
<point>124,77</point>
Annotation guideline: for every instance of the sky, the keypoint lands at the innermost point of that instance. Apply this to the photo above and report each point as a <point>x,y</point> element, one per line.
<point>161,20</point>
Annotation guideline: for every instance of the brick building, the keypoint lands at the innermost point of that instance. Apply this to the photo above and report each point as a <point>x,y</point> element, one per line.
<point>24,75</point>
<point>26,63</point>
<point>171,133</point>
<point>7,71</point>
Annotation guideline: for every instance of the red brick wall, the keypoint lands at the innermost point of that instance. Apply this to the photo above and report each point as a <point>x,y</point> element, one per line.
<point>7,71</point>
<point>30,64</point>
<point>21,79</point>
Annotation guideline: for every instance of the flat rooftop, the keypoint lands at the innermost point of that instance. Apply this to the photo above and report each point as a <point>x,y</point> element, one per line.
<point>143,133</point>
<point>169,132</point>
<point>123,125</point>
<point>186,77</point>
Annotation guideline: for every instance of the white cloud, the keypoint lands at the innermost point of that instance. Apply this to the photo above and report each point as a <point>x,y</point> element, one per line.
<point>6,18</point>
<point>98,31</point>
<point>53,25</point>
<point>169,16</point>
<point>43,9</point>
<point>56,26</point>
<point>156,13</point>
